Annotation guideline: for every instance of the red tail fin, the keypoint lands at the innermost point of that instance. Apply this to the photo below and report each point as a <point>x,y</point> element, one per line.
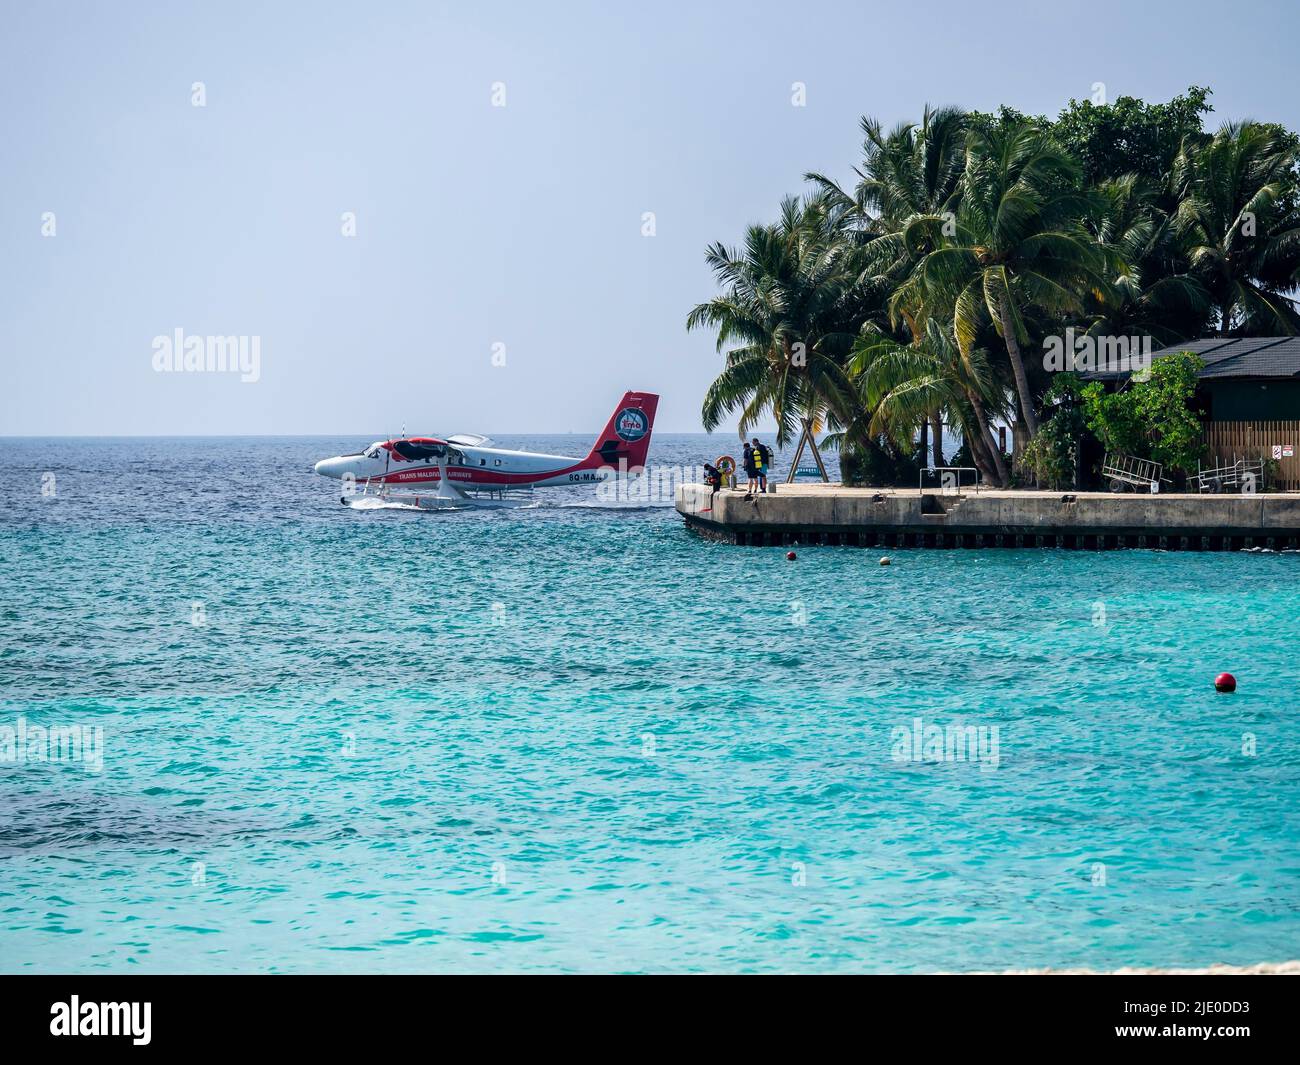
<point>627,436</point>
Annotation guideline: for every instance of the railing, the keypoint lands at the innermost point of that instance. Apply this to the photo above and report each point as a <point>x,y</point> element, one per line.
<point>949,478</point>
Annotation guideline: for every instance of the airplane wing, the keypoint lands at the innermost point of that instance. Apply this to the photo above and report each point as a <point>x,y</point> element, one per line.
<point>469,440</point>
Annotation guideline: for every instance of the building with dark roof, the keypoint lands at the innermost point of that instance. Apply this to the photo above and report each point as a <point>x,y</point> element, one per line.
<point>1249,399</point>
<point>1245,378</point>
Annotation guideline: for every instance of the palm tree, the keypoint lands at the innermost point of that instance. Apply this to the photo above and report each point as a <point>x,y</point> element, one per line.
<point>1151,291</point>
<point>785,308</point>
<point>1239,213</point>
<point>910,172</point>
<point>1014,246</point>
<point>914,171</point>
<point>901,383</point>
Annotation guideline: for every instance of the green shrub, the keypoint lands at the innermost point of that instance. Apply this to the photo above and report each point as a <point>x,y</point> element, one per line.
<point>1151,418</point>
<point>1053,455</point>
<point>877,467</point>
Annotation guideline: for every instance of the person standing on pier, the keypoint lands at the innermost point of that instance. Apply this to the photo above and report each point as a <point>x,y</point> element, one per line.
<point>751,471</point>
<point>762,463</point>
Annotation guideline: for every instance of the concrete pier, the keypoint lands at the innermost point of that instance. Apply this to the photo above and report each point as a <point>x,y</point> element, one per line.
<point>901,517</point>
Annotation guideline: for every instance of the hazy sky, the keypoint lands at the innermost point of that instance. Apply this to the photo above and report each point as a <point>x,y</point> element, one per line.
<point>476,225</point>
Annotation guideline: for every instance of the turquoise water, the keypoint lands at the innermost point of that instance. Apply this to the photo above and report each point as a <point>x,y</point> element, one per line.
<point>578,738</point>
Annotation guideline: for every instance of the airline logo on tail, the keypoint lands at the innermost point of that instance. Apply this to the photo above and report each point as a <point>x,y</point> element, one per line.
<point>632,424</point>
<point>625,440</point>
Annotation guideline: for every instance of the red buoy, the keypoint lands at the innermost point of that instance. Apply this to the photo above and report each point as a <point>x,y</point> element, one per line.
<point>790,556</point>
<point>1225,682</point>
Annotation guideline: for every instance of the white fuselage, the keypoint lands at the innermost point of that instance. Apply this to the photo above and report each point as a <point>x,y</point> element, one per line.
<point>468,466</point>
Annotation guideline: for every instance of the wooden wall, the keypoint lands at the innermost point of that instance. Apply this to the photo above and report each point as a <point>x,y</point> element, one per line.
<point>1255,440</point>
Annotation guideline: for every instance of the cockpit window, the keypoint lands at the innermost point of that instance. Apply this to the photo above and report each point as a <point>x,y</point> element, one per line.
<point>409,449</point>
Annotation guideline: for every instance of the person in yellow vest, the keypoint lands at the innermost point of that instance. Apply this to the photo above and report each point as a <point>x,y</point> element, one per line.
<point>762,464</point>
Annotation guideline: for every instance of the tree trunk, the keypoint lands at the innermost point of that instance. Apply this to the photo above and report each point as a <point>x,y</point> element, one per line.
<point>986,438</point>
<point>936,430</point>
<point>924,448</point>
<point>990,457</point>
<point>1019,441</point>
<point>1017,364</point>
<point>979,453</point>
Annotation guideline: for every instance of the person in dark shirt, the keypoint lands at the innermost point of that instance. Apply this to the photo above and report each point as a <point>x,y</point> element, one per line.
<point>713,478</point>
<point>751,471</point>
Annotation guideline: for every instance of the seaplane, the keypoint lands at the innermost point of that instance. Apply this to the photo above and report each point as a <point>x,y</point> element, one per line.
<point>435,473</point>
